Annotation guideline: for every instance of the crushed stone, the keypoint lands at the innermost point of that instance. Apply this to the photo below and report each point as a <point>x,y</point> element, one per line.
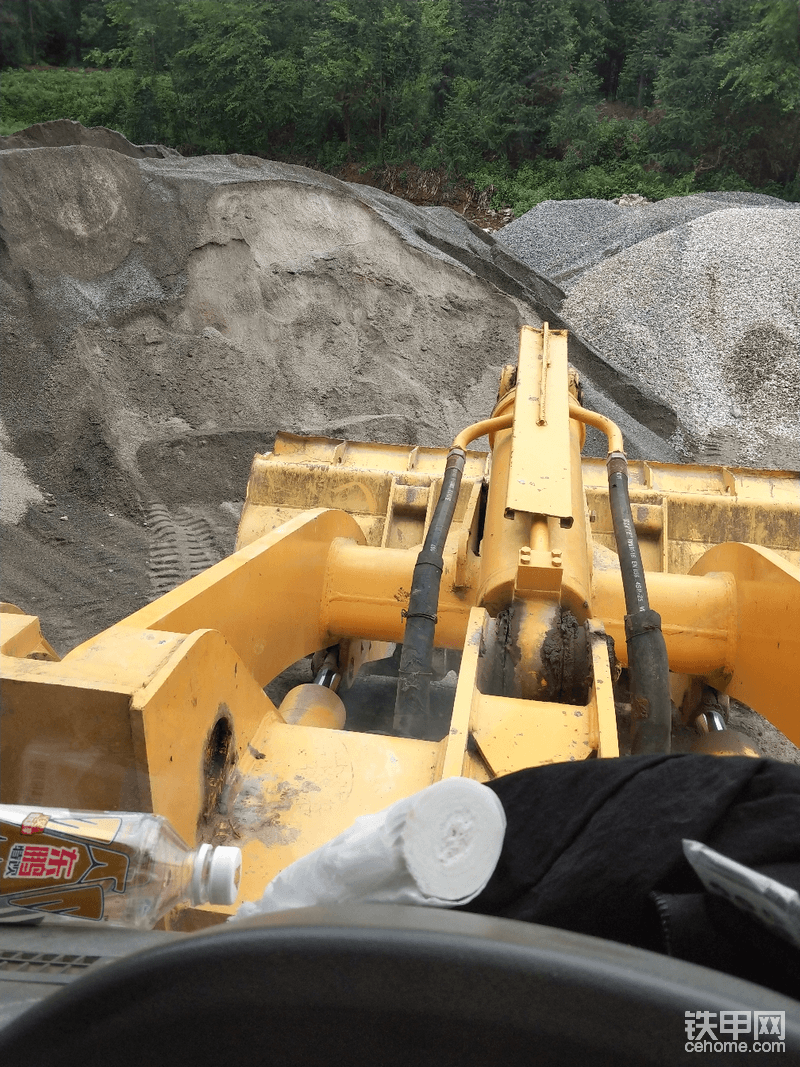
<point>708,314</point>
<point>17,491</point>
<point>564,238</point>
<point>697,300</point>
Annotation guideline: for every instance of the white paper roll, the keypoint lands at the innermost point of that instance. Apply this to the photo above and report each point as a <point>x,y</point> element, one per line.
<point>452,837</point>
<point>438,847</point>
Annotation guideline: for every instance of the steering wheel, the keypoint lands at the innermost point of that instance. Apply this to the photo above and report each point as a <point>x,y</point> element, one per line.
<point>385,986</point>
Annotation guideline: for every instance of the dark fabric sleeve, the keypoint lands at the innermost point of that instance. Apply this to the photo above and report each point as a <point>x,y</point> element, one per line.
<point>588,843</point>
<point>709,930</point>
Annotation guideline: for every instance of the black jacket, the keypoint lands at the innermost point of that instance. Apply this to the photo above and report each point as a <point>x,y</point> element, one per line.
<point>595,847</point>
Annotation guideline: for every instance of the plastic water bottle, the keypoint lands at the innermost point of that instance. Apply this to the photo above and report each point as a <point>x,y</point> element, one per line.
<point>123,868</point>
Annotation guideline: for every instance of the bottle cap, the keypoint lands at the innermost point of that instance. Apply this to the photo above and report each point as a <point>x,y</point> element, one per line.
<point>223,874</point>
<point>199,886</point>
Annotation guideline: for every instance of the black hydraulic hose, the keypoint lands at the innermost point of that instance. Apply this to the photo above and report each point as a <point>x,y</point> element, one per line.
<point>648,666</point>
<point>412,705</point>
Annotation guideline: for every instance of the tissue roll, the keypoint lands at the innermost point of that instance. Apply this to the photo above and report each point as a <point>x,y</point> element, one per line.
<point>452,838</point>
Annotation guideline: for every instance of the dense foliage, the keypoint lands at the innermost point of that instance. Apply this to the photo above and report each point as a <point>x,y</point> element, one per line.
<point>538,98</point>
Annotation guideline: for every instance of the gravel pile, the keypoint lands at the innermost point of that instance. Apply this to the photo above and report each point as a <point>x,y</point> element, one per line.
<point>564,238</point>
<point>697,299</point>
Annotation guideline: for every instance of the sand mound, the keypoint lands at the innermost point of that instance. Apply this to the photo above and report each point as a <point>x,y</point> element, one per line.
<point>63,132</point>
<point>150,300</point>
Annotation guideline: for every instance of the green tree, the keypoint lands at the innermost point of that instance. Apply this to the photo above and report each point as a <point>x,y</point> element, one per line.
<point>728,88</point>
<point>423,96</point>
<point>339,70</point>
<point>361,65</point>
<point>592,27</point>
<point>39,31</point>
<point>395,37</point>
<point>686,86</point>
<point>760,60</point>
<point>528,57</point>
<point>148,33</point>
<point>634,37</point>
<point>96,32</point>
<point>235,89</point>
<point>480,86</point>
<point>759,69</point>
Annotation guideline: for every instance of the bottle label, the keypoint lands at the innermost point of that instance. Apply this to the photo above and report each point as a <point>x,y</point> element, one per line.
<point>61,864</point>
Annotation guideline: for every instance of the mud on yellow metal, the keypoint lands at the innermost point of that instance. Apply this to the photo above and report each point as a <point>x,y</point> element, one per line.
<point>167,712</point>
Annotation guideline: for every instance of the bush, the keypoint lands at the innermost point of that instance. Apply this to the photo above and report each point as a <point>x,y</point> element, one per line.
<point>609,158</point>
<point>143,109</point>
<point>553,179</point>
<point>93,98</point>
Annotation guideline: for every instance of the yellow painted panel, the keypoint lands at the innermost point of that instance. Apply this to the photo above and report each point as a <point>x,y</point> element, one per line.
<point>372,456</point>
<point>300,786</point>
<point>770,487</point>
<point>315,485</point>
<point>767,631</point>
<point>512,734</point>
<point>121,656</point>
<point>602,710</point>
<point>66,740</point>
<point>173,718</point>
<point>258,520</point>
<point>453,747</point>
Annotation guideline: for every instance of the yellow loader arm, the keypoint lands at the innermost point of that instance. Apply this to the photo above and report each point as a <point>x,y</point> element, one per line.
<point>166,711</point>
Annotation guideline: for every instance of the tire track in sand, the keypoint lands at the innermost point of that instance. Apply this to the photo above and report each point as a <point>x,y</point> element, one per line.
<point>181,546</point>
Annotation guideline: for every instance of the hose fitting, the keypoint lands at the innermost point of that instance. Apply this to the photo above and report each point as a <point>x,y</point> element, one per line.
<point>648,665</point>
<point>414,679</point>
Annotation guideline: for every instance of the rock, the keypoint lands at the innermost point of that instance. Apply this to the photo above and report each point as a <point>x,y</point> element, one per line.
<point>631,200</point>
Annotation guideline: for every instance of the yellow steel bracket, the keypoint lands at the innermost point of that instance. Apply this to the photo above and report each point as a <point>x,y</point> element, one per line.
<point>539,573</point>
<point>493,735</point>
<point>539,477</point>
<point>766,626</point>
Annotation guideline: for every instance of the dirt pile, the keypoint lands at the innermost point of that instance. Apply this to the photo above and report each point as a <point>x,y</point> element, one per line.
<point>163,317</point>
